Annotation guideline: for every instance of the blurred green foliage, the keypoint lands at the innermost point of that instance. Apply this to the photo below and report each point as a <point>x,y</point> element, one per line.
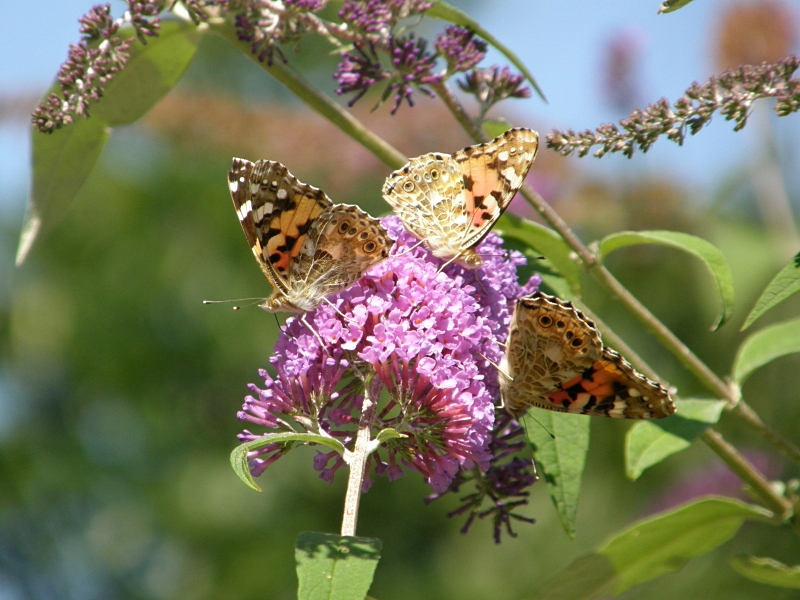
<point>119,389</point>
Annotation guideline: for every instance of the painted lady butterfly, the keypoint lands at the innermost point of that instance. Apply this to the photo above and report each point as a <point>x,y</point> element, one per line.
<point>307,246</point>
<point>556,360</point>
<point>451,202</point>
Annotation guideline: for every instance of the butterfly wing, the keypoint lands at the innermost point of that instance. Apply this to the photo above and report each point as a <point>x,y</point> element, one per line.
<point>276,211</point>
<point>557,361</point>
<point>493,173</point>
<point>427,195</point>
<point>341,244</point>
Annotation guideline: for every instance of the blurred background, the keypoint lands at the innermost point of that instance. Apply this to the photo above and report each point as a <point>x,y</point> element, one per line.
<point>119,389</point>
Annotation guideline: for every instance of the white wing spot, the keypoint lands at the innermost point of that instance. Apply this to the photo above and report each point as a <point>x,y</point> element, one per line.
<point>244,210</point>
<point>233,186</point>
<point>503,156</point>
<point>282,193</point>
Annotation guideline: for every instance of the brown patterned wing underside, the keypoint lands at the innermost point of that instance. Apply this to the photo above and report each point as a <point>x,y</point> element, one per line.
<point>427,196</point>
<point>493,173</point>
<point>340,246</point>
<point>307,247</point>
<point>556,360</point>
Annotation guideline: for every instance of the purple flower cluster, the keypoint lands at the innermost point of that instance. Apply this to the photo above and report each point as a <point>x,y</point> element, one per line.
<point>92,63</point>
<point>380,16</point>
<point>731,94</point>
<point>460,48</point>
<point>413,66</point>
<point>426,336</point>
<point>490,86</point>
<point>358,72</point>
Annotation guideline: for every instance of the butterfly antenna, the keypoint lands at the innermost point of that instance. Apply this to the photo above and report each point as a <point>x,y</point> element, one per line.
<point>550,433</point>
<point>444,266</point>
<point>251,300</point>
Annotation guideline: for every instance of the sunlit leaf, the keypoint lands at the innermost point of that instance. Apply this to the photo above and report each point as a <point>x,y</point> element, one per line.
<point>785,284</point>
<point>650,442</point>
<point>765,346</point>
<point>239,460</point>
<point>543,240</point>
<point>334,567</point>
<point>699,247</point>
<point>152,71</point>
<point>561,458</point>
<point>650,548</point>
<point>62,160</point>
<point>767,570</point>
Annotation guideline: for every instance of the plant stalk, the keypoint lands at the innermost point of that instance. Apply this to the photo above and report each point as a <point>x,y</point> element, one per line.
<point>357,458</point>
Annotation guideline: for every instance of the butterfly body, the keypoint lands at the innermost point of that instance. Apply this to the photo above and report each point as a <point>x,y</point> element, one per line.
<point>451,202</point>
<point>556,360</point>
<point>307,247</point>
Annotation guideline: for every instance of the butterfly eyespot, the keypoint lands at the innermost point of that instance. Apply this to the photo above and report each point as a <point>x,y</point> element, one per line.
<point>560,324</point>
<point>576,342</point>
<point>369,247</point>
<point>352,231</point>
<point>569,335</point>
<point>434,174</point>
<point>364,235</point>
<point>344,226</point>
<point>408,186</point>
<point>545,321</point>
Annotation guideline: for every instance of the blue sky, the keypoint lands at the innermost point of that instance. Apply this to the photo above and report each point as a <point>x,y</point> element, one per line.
<point>561,42</point>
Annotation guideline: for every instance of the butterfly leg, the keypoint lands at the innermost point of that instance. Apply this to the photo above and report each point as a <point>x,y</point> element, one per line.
<point>408,250</point>
<point>314,331</point>
<point>340,313</point>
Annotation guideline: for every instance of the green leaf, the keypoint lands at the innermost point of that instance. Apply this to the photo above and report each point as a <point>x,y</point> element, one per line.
<point>334,567</point>
<point>650,548</point>
<point>543,240</point>
<point>445,12</point>
<point>767,570</point>
<point>669,6</point>
<point>560,459</point>
<point>62,161</point>
<point>785,284</point>
<point>239,454</point>
<point>495,127</point>
<point>699,247</point>
<point>650,442</point>
<point>152,71</point>
<point>765,346</point>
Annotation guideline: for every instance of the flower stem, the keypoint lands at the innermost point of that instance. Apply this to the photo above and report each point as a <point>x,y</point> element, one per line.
<point>318,101</point>
<point>748,473</point>
<point>743,410</point>
<point>357,458</point>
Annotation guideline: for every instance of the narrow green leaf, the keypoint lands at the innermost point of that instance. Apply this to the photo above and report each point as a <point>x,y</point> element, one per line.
<point>560,459</point>
<point>543,240</point>
<point>445,12</point>
<point>388,434</point>
<point>650,442</point>
<point>152,71</point>
<point>765,346</point>
<point>239,454</point>
<point>669,6</point>
<point>785,284</point>
<point>333,567</point>
<point>699,247</point>
<point>650,548</point>
<point>767,570</point>
<point>61,161</point>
